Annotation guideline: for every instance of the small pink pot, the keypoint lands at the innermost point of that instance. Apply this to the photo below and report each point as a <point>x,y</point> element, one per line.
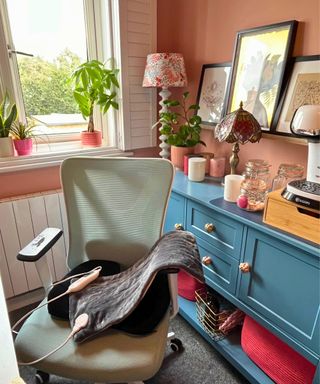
<point>177,155</point>
<point>91,139</point>
<point>23,147</point>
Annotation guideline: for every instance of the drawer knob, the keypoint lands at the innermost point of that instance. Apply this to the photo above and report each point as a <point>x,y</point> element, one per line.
<point>178,226</point>
<point>206,260</point>
<point>209,227</point>
<point>244,267</point>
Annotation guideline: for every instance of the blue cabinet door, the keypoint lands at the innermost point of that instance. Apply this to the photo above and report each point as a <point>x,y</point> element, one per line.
<point>175,212</point>
<point>283,285</point>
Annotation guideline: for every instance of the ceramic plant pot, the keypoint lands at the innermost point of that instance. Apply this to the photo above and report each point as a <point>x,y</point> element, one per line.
<point>91,139</point>
<point>6,147</point>
<point>177,155</point>
<point>23,147</point>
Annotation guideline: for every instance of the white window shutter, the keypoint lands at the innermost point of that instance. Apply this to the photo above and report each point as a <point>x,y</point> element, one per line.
<point>138,32</point>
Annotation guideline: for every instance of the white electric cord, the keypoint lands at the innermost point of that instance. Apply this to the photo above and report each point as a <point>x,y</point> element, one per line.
<point>80,322</point>
<point>34,309</point>
<point>74,287</point>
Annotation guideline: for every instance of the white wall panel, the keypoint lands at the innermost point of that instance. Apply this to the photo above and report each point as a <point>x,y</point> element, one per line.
<point>25,231</point>
<point>21,220</point>
<point>138,39</point>
<point>11,247</point>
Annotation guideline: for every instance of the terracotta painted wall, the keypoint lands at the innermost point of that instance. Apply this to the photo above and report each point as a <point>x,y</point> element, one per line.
<point>204,31</point>
<point>44,179</point>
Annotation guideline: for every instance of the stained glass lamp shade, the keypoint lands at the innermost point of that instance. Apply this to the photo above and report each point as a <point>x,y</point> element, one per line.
<point>237,127</point>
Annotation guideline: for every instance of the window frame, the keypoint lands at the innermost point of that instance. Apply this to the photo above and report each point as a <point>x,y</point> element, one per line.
<point>102,28</point>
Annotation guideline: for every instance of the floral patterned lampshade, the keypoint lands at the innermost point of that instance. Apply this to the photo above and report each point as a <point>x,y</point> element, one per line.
<point>165,70</point>
<point>237,127</point>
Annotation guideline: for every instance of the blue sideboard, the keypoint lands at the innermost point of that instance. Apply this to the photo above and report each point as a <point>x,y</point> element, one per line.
<point>281,286</point>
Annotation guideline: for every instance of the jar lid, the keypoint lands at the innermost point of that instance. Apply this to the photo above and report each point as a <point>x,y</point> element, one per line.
<point>257,163</point>
<point>257,166</point>
<point>291,170</point>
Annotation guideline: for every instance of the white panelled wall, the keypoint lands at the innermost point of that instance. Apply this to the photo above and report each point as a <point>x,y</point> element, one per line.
<point>21,219</point>
<point>138,39</point>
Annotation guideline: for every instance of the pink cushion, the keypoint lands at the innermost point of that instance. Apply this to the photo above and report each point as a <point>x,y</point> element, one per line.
<point>187,284</point>
<point>279,361</point>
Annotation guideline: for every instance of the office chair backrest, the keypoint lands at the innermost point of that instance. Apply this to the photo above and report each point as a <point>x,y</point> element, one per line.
<point>115,206</point>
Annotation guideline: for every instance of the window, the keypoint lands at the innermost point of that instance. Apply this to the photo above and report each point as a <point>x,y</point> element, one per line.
<point>45,40</point>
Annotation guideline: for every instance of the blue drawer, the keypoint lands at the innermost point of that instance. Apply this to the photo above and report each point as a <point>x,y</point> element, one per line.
<point>226,234</point>
<point>222,271</point>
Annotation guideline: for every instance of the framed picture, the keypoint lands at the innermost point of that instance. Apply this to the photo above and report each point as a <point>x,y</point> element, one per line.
<point>258,69</point>
<point>302,88</point>
<point>212,92</point>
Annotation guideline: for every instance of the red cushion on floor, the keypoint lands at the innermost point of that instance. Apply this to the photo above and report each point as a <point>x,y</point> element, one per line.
<point>279,361</point>
<point>187,284</point>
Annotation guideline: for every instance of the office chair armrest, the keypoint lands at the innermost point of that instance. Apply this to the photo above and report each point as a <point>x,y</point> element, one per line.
<point>40,245</point>
<point>37,248</point>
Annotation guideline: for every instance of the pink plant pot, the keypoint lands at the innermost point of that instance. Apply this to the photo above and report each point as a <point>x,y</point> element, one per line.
<point>91,139</point>
<point>177,155</point>
<point>23,147</point>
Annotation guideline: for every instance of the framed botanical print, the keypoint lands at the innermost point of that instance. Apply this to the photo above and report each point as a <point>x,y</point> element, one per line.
<point>212,92</point>
<point>258,69</point>
<point>302,88</point>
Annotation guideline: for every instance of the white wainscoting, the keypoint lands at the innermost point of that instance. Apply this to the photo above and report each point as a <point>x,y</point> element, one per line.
<point>21,219</point>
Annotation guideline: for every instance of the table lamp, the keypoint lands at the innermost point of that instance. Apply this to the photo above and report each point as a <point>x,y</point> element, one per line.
<point>164,70</point>
<point>306,124</point>
<point>237,127</point>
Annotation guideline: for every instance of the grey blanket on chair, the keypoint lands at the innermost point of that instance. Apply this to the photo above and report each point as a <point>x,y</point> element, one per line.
<point>110,299</point>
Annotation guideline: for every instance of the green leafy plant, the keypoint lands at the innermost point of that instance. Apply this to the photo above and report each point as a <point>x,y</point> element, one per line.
<point>94,84</point>
<point>8,114</point>
<point>21,131</point>
<point>181,128</point>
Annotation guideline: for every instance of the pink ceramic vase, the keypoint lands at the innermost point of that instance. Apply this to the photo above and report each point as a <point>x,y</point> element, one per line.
<point>23,147</point>
<point>91,139</point>
<point>177,155</point>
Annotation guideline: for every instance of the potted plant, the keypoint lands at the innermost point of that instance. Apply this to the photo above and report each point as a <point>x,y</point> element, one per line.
<point>181,128</point>
<point>8,114</point>
<point>22,137</point>
<point>94,84</point>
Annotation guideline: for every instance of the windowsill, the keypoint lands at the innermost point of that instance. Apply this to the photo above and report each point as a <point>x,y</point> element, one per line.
<point>53,158</point>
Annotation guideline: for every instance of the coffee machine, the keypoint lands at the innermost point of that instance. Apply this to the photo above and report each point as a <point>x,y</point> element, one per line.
<point>306,124</point>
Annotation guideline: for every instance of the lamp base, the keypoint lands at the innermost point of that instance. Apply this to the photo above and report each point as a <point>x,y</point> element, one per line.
<point>165,148</point>
<point>234,159</point>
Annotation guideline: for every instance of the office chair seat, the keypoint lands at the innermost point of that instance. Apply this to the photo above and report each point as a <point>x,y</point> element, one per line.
<point>109,358</point>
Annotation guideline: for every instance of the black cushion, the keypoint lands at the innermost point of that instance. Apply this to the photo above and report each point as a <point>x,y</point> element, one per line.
<point>60,307</point>
<point>142,320</point>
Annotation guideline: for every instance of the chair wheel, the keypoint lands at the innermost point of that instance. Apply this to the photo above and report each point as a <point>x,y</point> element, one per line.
<point>176,345</point>
<point>42,377</point>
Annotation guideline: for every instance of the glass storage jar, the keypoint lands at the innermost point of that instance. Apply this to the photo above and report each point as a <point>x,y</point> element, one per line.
<point>287,173</point>
<point>255,185</point>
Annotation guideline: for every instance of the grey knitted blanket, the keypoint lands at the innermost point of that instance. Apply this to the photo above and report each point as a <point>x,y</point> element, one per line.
<point>110,299</point>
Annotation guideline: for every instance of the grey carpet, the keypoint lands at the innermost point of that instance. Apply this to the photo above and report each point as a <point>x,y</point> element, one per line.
<point>198,363</point>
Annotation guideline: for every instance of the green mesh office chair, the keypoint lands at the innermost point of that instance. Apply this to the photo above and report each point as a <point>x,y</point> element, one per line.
<point>115,209</point>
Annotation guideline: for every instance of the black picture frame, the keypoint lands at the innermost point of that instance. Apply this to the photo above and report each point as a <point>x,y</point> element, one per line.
<point>212,92</point>
<point>259,66</point>
<point>299,71</point>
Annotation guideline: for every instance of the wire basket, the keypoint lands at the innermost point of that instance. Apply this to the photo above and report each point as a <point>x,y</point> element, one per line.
<point>212,319</point>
